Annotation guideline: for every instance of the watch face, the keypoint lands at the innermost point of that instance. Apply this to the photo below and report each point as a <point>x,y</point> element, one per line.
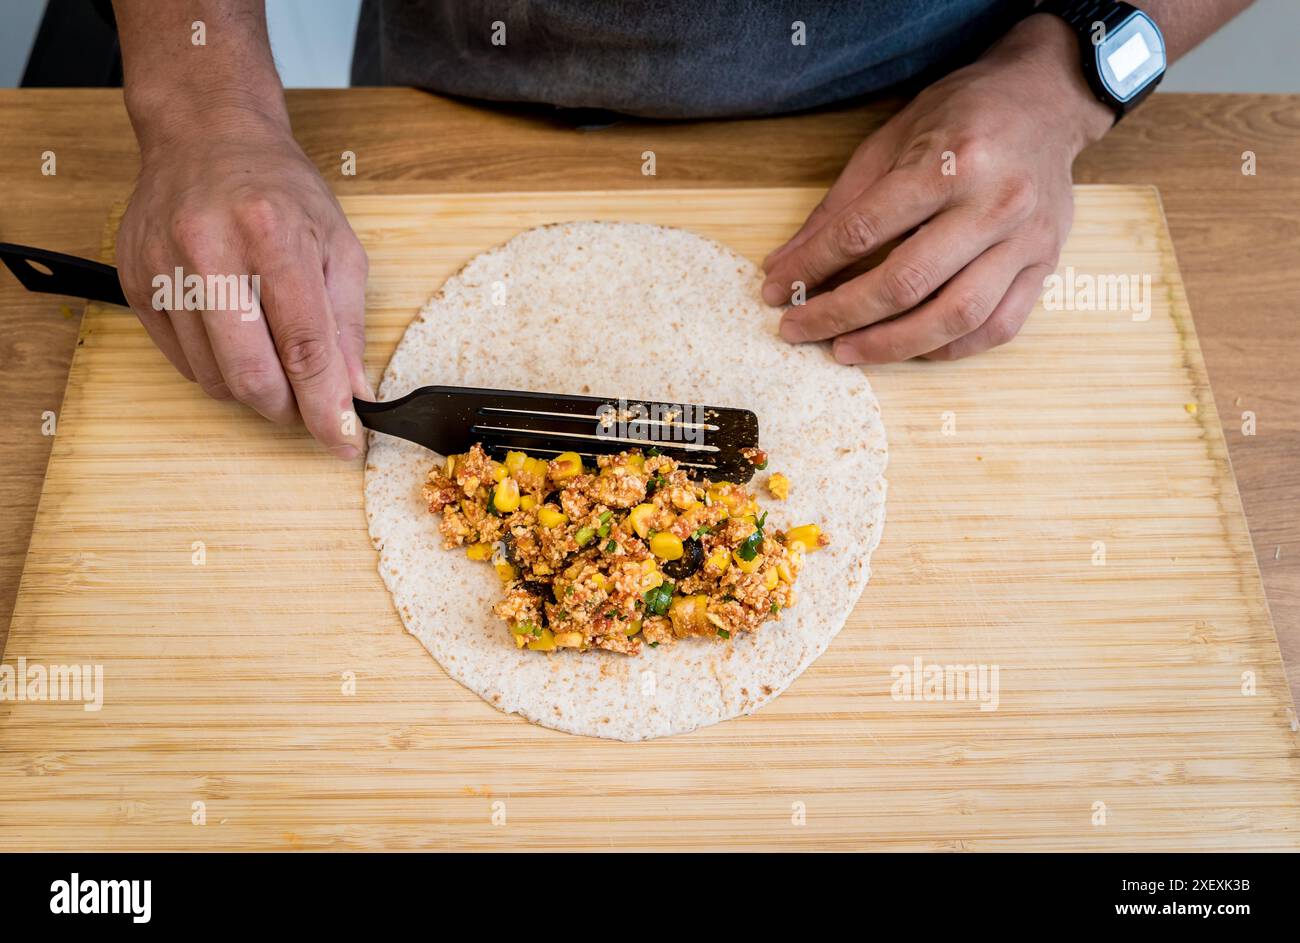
<point>1131,57</point>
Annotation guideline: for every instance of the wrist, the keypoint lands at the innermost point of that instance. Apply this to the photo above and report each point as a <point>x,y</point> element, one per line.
<point>1048,49</point>
<point>169,120</point>
<point>187,94</point>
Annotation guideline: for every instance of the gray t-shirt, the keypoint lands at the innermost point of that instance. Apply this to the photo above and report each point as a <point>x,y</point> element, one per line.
<point>671,58</point>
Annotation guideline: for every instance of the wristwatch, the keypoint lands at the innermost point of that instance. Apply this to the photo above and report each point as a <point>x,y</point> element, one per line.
<point>1123,50</point>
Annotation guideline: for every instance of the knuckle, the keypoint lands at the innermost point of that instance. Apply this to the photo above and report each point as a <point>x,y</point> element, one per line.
<point>969,310</point>
<point>304,356</point>
<point>265,224</point>
<point>894,348</point>
<point>252,384</point>
<point>355,257</point>
<point>362,259</point>
<point>216,388</point>
<point>920,150</point>
<point>835,322</point>
<point>906,284</point>
<point>1001,331</point>
<point>835,315</point>
<point>975,155</point>
<point>191,229</point>
<point>1014,198</point>
<point>858,232</point>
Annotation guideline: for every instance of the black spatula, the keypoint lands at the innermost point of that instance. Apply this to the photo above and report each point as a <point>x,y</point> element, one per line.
<point>449,419</point>
<point>708,440</point>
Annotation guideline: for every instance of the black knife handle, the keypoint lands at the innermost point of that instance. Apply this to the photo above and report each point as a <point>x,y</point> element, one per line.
<point>55,273</point>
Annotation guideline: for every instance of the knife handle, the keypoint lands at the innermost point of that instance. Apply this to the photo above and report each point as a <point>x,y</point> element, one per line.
<point>55,273</point>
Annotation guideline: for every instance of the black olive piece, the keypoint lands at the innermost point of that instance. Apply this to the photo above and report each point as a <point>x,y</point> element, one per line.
<point>542,592</point>
<point>536,588</point>
<point>692,559</point>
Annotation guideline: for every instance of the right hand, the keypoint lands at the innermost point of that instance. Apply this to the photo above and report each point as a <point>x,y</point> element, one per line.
<point>234,195</point>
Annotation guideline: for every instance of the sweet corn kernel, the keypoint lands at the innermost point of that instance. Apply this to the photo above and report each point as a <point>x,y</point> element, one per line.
<point>499,472</point>
<point>566,465</point>
<point>520,640</point>
<point>569,640</point>
<point>599,581</point>
<point>683,499</point>
<point>633,627</point>
<point>506,571</point>
<point>747,566</point>
<point>640,518</point>
<point>636,463</point>
<point>728,495</point>
<point>544,642</point>
<point>515,462</point>
<point>479,551</point>
<point>719,560</point>
<point>783,570</point>
<point>681,613</point>
<point>450,468</point>
<point>686,612</point>
<point>778,485</point>
<point>771,578</point>
<point>806,536</point>
<point>666,546</point>
<point>650,575</point>
<point>549,517</point>
<point>505,497</point>
<point>527,502</point>
<point>535,467</point>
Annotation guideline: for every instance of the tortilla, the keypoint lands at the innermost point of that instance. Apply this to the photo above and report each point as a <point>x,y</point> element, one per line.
<point>644,312</point>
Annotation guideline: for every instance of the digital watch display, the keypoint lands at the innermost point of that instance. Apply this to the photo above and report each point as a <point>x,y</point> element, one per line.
<point>1123,51</point>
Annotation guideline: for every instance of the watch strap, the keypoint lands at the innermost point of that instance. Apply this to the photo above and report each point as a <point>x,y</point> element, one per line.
<point>1082,16</point>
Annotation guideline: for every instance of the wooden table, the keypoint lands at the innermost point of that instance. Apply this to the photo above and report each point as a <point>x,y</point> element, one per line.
<point>1236,237</point>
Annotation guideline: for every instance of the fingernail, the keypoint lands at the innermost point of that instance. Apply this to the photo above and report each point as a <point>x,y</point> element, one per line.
<point>774,294</point>
<point>844,353</point>
<point>792,331</point>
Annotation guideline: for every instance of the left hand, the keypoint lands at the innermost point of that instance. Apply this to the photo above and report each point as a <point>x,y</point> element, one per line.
<point>979,166</point>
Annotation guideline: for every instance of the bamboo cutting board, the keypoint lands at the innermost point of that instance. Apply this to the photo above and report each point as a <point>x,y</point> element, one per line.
<point>1061,510</point>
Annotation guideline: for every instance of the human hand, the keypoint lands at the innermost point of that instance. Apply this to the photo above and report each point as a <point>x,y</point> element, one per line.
<point>227,192</point>
<point>974,177</point>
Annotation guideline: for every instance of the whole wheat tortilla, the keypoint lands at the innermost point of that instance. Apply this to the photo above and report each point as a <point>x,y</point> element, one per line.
<point>645,312</point>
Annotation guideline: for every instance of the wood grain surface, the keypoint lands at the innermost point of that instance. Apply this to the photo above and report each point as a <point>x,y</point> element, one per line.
<point>1235,236</point>
<point>1141,702</point>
